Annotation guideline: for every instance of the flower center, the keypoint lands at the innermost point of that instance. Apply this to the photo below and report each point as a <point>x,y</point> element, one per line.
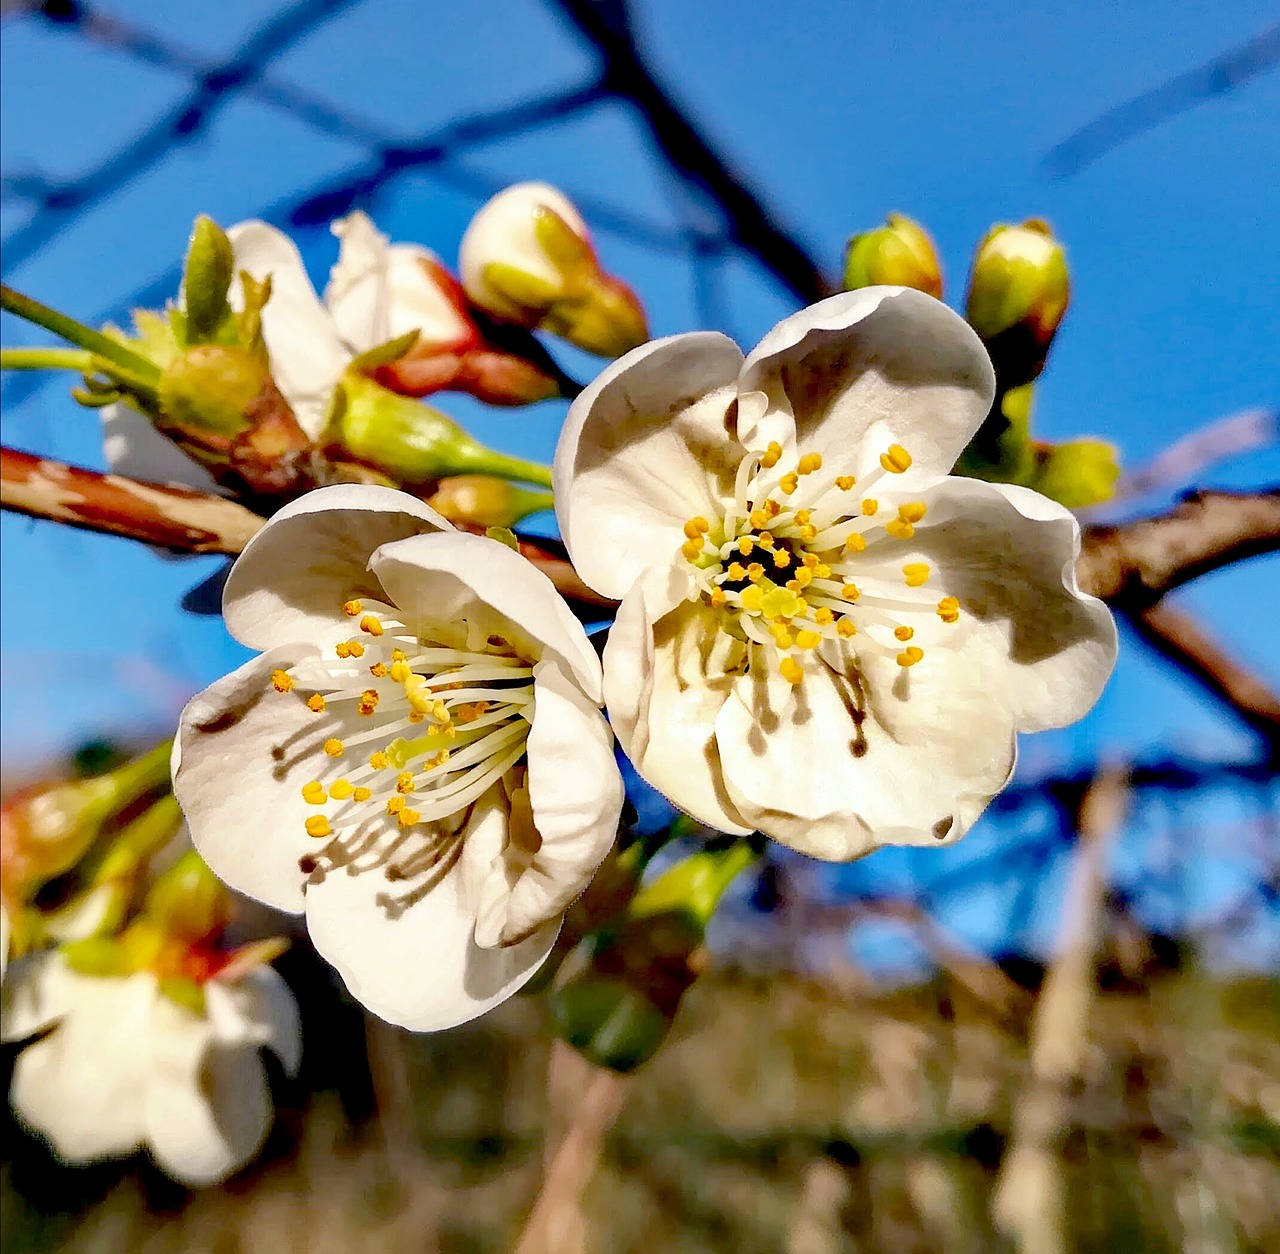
<point>413,731</point>
<point>800,557</point>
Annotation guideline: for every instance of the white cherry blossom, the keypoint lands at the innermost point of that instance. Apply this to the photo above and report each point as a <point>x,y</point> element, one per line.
<point>822,634</point>
<point>417,759</point>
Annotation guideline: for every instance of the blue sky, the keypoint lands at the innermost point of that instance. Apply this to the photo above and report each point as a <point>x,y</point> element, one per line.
<point>838,113</point>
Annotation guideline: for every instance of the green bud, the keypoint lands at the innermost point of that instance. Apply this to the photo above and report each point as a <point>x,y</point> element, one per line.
<point>188,901</point>
<point>487,502</point>
<point>207,280</point>
<point>98,955</point>
<point>411,442</point>
<point>1077,474</point>
<point>601,315</point>
<point>1019,289</point>
<point>900,253</point>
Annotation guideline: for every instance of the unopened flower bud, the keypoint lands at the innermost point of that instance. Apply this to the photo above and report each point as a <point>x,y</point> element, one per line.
<point>207,280</point>
<point>900,254</point>
<point>1018,293</point>
<point>411,442</point>
<point>487,502</point>
<point>527,258</point>
<point>188,901</point>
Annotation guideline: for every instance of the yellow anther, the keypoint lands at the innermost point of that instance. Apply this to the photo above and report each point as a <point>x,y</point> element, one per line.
<point>949,609</point>
<point>808,640</point>
<point>804,576</point>
<point>779,603</point>
<point>361,793</point>
<point>912,511</point>
<point>746,544</point>
<point>690,549</point>
<point>752,598</point>
<point>341,789</point>
<point>916,574</point>
<point>846,628</point>
<point>439,760</point>
<point>409,817</point>
<point>904,633</point>
<point>417,716</point>
<point>772,455</point>
<point>696,527</point>
<point>440,712</point>
<point>765,540</point>
<point>809,463</point>
<point>736,571</point>
<point>802,607</point>
<point>395,804</point>
<point>355,648</point>
<point>353,608</point>
<point>400,671</point>
<point>821,571</point>
<point>896,460</point>
<point>899,530</point>
<point>759,519</point>
<point>379,760</point>
<point>314,794</point>
<point>791,670</point>
<point>850,592</point>
<point>399,655</point>
<point>718,597</point>
<point>371,625</point>
<point>845,482</point>
<point>809,560</point>
<point>789,483</point>
<point>808,533</point>
<point>334,747</point>
<point>855,542</point>
<point>343,650</point>
<point>772,508</point>
<point>369,696</point>
<point>315,703</point>
<point>781,559</point>
<point>755,572</point>
<point>870,506</point>
<point>910,656</point>
<point>404,781</point>
<point>783,639</point>
<point>282,681</point>
<point>378,670</point>
<point>824,617</point>
<point>317,825</point>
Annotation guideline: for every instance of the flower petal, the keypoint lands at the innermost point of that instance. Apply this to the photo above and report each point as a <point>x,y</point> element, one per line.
<point>435,578</point>
<point>294,575</point>
<point>207,1107</point>
<point>811,766</point>
<point>134,448</point>
<point>664,688</point>
<point>307,356</point>
<point>378,292</point>
<point>576,792</point>
<point>860,371</point>
<point>644,449</point>
<point>258,1009</point>
<point>422,970</point>
<point>38,990</point>
<point>242,754</point>
<point>83,1087</point>
<point>1043,648</point>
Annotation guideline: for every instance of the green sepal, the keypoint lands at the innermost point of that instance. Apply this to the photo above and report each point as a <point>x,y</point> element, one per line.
<point>1077,474</point>
<point>609,1022</point>
<point>564,247</point>
<point>521,288</point>
<point>98,955</point>
<point>207,280</point>
<point>503,535</point>
<point>384,354</point>
<point>183,992</point>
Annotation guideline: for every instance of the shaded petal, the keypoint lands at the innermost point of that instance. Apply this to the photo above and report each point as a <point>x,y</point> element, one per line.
<point>860,371</point>
<point>307,356</point>
<point>813,768</point>
<point>134,448</point>
<point>576,792</point>
<point>644,449</point>
<point>294,575</point>
<point>664,684</point>
<point>379,292</point>
<point>208,1108</point>
<point>38,991</point>
<point>83,1087</point>
<point>258,1009</point>
<point>436,579</point>
<point>422,970</point>
<point>242,753</point>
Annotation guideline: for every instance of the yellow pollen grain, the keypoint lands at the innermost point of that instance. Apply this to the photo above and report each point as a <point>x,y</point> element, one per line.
<point>916,574</point>
<point>353,608</point>
<point>791,670</point>
<point>772,455</point>
<point>409,817</point>
<point>317,825</point>
<point>850,592</point>
<point>910,656</point>
<point>870,506</point>
<point>736,571</point>
<point>808,640</point>
<point>949,609</point>
<point>378,670</point>
<point>809,463</point>
<point>855,542</point>
<point>315,703</point>
<point>361,793</point>
<point>752,598</point>
<point>334,747</point>
<point>846,628</point>
<point>845,482</point>
<point>371,625</point>
<point>341,789</point>
<point>718,597</point>
<point>904,633</point>
<point>746,544</point>
<point>899,530</point>
<point>755,572</point>
<point>789,483</point>
<point>896,460</point>
<point>824,617</point>
<point>282,681</point>
<point>379,760</point>
<point>395,804</point>
<point>417,716</point>
<point>404,781</point>
<point>313,793</point>
<point>781,559</point>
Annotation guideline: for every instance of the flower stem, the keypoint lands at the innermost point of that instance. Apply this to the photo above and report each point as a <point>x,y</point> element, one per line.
<point>76,359</point>
<point>505,467</point>
<point>77,333</point>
